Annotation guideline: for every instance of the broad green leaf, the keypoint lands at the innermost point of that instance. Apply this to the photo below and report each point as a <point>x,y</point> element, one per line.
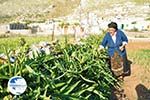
<point>70,88</point>
<point>64,87</point>
<point>87,80</point>
<point>99,94</point>
<point>31,70</point>
<point>59,85</point>
<point>4,77</point>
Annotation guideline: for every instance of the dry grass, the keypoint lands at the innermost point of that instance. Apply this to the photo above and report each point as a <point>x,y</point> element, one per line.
<point>139,53</point>
<point>136,46</point>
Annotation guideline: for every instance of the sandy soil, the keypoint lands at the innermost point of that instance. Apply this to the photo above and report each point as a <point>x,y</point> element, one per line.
<point>137,86</point>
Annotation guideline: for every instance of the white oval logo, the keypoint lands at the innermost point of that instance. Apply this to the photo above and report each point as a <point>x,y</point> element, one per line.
<point>17,85</point>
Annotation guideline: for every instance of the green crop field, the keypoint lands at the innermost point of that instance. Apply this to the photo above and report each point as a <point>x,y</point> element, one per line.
<point>69,72</point>
<point>13,42</point>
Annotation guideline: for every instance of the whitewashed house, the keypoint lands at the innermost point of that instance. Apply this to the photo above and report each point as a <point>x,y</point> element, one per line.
<point>4,28</point>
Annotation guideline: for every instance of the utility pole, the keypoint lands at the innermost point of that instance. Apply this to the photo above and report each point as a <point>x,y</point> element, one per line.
<point>53,31</point>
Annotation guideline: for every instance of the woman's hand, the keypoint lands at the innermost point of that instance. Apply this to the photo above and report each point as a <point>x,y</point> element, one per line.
<point>122,47</point>
<point>124,43</point>
<point>101,47</point>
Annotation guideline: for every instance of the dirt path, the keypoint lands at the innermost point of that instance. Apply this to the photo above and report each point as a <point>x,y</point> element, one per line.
<point>137,86</point>
<point>133,85</point>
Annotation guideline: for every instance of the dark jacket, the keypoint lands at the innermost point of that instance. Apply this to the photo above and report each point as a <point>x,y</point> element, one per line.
<point>108,41</point>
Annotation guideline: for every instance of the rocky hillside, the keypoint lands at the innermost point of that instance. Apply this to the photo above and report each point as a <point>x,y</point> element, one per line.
<point>35,10</point>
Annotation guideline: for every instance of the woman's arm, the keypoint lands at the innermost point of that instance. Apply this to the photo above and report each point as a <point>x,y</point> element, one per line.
<point>125,41</point>
<point>124,38</point>
<point>104,41</point>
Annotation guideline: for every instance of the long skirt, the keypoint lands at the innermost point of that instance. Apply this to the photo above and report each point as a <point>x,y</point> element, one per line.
<point>118,64</point>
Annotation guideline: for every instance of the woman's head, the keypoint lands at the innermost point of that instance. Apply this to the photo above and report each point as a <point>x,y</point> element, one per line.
<point>112,27</point>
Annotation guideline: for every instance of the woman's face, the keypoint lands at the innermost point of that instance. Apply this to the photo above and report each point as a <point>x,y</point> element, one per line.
<point>111,31</point>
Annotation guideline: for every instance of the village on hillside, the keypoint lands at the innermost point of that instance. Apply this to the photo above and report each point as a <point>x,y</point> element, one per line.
<point>129,17</point>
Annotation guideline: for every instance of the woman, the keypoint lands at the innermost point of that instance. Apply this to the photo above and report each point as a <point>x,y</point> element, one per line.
<point>116,41</point>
